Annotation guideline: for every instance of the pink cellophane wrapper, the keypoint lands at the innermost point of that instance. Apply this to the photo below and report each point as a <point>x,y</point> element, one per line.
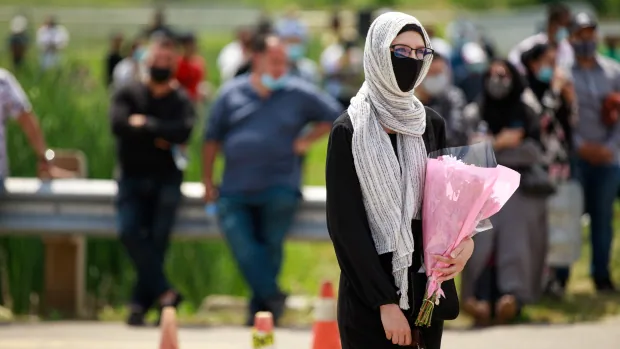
<point>456,198</point>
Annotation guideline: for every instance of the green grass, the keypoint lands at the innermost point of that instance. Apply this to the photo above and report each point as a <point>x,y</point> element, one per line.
<point>582,303</point>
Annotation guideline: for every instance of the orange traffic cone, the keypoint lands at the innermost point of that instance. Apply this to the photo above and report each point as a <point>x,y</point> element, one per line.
<point>262,333</point>
<point>169,337</point>
<point>325,330</point>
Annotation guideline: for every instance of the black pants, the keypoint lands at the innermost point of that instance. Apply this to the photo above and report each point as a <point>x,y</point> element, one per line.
<point>361,328</point>
<point>146,214</point>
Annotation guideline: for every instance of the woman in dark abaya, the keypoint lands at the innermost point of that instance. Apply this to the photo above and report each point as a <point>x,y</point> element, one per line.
<point>554,93</point>
<point>375,172</point>
<point>506,269</point>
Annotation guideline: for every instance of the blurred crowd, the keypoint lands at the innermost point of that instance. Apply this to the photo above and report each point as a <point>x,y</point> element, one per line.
<point>550,109</point>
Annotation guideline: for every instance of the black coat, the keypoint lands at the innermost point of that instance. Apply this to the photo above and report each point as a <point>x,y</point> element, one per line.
<point>366,280</point>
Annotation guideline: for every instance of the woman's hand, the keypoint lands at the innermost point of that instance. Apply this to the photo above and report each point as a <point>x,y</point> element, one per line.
<point>560,79</point>
<point>508,138</point>
<point>456,262</point>
<point>395,324</point>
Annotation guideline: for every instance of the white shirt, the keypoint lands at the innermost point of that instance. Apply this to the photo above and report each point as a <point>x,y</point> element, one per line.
<point>13,103</point>
<point>565,55</point>
<point>52,38</point>
<point>125,72</point>
<point>330,58</point>
<point>229,60</point>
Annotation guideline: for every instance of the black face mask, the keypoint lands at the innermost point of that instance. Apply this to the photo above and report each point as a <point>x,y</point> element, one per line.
<point>585,49</point>
<point>406,71</point>
<point>160,75</point>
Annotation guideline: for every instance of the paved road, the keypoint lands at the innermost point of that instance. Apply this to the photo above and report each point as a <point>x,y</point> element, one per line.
<point>66,335</point>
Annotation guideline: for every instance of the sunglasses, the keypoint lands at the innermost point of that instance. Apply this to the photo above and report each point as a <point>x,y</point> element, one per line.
<point>404,51</point>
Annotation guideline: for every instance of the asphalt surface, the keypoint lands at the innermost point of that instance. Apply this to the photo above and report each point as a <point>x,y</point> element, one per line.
<point>92,335</point>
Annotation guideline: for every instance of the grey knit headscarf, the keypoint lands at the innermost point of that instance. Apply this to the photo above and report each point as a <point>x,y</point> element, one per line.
<point>392,198</point>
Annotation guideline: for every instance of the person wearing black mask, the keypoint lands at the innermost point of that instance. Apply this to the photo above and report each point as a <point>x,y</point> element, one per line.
<point>597,141</point>
<point>146,118</point>
<point>377,148</point>
<point>506,268</point>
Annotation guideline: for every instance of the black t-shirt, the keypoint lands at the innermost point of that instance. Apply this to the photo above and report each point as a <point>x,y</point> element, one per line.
<point>169,118</point>
<point>18,40</point>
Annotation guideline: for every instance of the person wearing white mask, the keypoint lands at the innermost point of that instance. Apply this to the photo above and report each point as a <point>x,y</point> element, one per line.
<point>438,92</point>
<point>556,34</point>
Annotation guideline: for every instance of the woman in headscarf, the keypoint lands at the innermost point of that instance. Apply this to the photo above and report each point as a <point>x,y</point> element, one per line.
<point>506,269</point>
<point>376,165</point>
<point>554,94</point>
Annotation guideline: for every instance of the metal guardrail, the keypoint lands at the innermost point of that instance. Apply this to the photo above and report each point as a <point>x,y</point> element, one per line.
<point>86,207</point>
<point>100,21</point>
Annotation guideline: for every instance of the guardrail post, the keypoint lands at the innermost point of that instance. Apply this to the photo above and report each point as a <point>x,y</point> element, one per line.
<point>65,256</point>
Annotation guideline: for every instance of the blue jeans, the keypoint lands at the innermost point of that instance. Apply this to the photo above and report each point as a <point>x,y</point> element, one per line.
<point>254,226</point>
<point>600,186</point>
<point>146,214</point>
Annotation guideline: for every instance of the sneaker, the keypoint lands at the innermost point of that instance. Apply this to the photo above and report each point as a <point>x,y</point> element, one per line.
<point>480,311</point>
<point>254,306</point>
<point>555,290</point>
<point>506,309</point>
<point>136,319</point>
<point>605,286</point>
<point>276,306</point>
<point>249,322</point>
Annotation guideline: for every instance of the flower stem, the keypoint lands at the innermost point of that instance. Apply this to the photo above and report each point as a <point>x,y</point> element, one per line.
<point>426,311</point>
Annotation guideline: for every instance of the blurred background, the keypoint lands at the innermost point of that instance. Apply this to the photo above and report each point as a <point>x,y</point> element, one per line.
<point>72,100</point>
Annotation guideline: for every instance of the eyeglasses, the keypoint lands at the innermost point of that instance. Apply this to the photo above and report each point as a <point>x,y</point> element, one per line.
<point>404,51</point>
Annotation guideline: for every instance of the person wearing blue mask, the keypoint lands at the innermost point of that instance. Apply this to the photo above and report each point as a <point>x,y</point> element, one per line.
<point>556,34</point>
<point>293,33</point>
<point>597,140</point>
<point>553,94</point>
<point>257,122</point>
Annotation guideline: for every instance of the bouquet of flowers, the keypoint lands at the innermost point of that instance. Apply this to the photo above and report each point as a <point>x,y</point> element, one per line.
<point>464,187</point>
